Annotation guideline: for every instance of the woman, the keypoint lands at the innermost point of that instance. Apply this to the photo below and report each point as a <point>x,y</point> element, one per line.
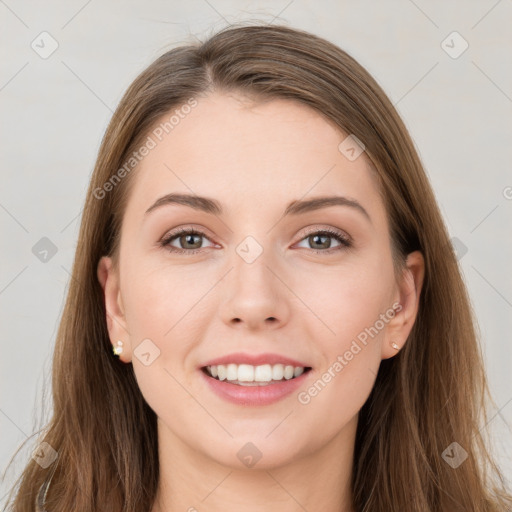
<point>256,369</point>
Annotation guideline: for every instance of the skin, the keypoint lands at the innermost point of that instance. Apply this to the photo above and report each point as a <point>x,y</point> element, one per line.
<point>255,158</point>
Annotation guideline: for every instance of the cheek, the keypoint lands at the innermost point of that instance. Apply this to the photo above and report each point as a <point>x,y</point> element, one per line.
<point>354,303</point>
<point>352,307</point>
<point>343,301</point>
<point>158,297</point>
<point>158,308</point>
<point>156,316</point>
<point>332,401</point>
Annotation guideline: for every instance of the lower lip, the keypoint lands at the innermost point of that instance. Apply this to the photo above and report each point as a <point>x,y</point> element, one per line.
<point>254,395</point>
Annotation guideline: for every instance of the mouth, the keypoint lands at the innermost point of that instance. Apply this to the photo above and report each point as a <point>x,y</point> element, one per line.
<point>247,385</point>
<point>251,376</point>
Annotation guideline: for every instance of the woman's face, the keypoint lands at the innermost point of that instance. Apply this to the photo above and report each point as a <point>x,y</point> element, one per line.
<point>261,277</point>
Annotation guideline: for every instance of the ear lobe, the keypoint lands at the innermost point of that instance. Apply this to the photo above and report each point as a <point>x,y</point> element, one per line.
<point>115,318</point>
<point>409,290</point>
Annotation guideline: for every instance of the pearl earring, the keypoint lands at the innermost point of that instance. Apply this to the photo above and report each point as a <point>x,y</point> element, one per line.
<point>395,346</point>
<point>119,349</point>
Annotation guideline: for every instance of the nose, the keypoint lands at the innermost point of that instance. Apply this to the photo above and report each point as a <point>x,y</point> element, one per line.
<point>255,295</point>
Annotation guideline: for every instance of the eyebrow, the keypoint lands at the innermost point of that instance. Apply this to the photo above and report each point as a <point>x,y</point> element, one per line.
<point>297,207</point>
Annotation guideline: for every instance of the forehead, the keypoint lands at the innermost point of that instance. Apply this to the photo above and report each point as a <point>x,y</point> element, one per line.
<point>248,155</point>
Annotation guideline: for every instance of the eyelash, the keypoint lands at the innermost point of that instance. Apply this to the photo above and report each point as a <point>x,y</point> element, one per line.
<point>345,242</point>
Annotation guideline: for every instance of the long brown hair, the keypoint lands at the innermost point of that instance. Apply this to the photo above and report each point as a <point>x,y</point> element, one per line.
<point>432,394</point>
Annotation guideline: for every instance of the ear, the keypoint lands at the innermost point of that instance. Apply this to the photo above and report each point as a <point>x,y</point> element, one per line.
<point>115,316</point>
<point>407,303</point>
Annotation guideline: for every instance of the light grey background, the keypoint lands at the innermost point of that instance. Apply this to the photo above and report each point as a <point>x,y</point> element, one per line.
<point>54,112</point>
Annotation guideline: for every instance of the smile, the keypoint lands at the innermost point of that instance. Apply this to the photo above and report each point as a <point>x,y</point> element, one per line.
<point>249,375</point>
<point>254,392</point>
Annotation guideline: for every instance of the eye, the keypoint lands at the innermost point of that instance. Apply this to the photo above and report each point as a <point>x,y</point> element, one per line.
<point>187,238</point>
<point>190,241</point>
<point>323,245</point>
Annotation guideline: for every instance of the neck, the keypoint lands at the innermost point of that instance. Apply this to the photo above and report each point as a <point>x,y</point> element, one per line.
<point>313,479</point>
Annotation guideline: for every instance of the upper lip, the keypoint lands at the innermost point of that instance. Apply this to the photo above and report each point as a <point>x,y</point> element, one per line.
<point>254,360</point>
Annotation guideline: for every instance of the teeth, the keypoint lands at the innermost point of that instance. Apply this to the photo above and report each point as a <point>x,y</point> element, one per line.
<point>248,373</point>
<point>231,372</point>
